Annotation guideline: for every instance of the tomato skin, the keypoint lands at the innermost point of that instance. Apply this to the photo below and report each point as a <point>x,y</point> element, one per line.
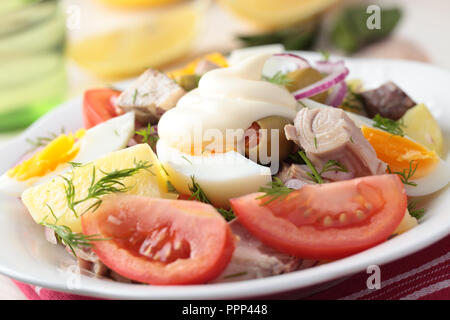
<point>209,237</point>
<point>98,106</point>
<point>302,233</point>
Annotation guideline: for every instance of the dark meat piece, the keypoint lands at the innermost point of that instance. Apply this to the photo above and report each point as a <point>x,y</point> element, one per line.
<point>389,101</point>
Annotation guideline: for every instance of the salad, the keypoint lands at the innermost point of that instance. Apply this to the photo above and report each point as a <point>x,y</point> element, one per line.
<point>231,169</point>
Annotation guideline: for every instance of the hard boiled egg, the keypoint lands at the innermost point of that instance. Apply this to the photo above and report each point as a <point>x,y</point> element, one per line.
<point>221,176</point>
<point>81,147</point>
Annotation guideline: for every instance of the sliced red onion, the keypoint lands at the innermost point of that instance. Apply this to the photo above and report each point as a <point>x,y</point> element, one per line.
<point>338,94</point>
<point>299,61</point>
<point>338,73</point>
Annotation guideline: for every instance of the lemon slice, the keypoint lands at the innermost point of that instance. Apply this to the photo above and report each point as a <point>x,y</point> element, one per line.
<point>128,51</point>
<point>422,127</point>
<point>136,3</point>
<point>150,182</point>
<point>276,14</point>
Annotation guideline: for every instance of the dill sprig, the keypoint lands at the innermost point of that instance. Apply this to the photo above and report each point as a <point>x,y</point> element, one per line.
<point>353,100</point>
<point>237,274</point>
<point>389,125</point>
<point>406,174</point>
<point>276,190</point>
<point>170,187</point>
<point>330,165</point>
<point>414,212</point>
<point>279,78</point>
<point>198,194</point>
<point>44,140</point>
<point>149,135</point>
<point>66,236</point>
<point>109,183</point>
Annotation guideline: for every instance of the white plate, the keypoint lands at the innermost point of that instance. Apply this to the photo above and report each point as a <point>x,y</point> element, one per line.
<point>26,256</point>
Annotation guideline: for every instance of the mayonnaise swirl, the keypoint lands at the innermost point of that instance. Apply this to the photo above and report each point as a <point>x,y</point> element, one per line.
<point>227,98</point>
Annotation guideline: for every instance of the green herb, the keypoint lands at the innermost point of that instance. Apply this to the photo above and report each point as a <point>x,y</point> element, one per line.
<point>44,140</point>
<point>198,194</point>
<point>149,135</point>
<point>135,96</point>
<point>170,187</point>
<point>414,212</point>
<point>75,164</point>
<point>294,38</point>
<point>351,139</point>
<point>109,183</point>
<point>406,174</point>
<point>388,125</point>
<point>302,104</point>
<point>227,214</point>
<point>279,78</point>
<point>330,165</point>
<point>183,157</point>
<point>353,100</point>
<point>315,141</point>
<point>64,235</point>
<point>164,169</point>
<point>325,54</point>
<point>277,190</point>
<point>350,32</point>
<point>237,274</point>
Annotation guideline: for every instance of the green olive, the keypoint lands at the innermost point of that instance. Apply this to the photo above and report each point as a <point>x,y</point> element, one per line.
<point>188,81</point>
<point>304,77</point>
<point>264,144</point>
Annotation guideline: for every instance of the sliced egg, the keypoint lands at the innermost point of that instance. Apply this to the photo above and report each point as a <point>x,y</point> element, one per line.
<point>221,176</point>
<point>432,174</point>
<point>81,147</point>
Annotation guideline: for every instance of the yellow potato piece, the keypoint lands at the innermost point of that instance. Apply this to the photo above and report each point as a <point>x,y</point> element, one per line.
<point>137,3</point>
<point>150,182</point>
<point>406,224</point>
<point>421,126</point>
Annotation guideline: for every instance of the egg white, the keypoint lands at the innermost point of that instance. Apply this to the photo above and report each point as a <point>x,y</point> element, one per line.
<point>221,176</point>
<point>109,136</point>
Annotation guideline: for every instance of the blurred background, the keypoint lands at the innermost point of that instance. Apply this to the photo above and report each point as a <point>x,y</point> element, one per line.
<point>53,50</point>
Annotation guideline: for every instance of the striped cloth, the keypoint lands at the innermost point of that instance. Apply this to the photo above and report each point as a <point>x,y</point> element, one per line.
<point>423,275</point>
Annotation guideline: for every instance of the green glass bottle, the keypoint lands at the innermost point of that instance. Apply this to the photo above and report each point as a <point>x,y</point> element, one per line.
<point>32,61</point>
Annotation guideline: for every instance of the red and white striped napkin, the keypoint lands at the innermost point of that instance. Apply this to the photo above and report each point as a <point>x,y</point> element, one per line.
<point>421,276</point>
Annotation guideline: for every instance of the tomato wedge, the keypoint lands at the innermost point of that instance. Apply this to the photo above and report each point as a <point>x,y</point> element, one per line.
<point>326,221</point>
<point>159,241</point>
<point>98,106</point>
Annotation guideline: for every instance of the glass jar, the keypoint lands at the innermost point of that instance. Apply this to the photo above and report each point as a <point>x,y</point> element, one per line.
<point>32,77</point>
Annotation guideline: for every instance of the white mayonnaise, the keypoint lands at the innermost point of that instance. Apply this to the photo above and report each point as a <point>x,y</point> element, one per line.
<point>227,98</point>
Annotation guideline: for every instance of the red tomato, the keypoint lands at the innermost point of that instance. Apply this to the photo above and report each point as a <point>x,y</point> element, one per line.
<point>159,241</point>
<point>327,221</point>
<point>98,106</point>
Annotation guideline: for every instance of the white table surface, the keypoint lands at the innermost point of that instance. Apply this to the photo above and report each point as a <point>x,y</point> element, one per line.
<point>424,22</point>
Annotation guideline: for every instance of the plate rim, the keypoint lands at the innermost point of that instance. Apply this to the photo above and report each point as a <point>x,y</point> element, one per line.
<point>248,288</point>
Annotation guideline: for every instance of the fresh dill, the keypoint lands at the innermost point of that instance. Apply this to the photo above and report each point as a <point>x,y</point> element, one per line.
<point>66,236</point>
<point>44,140</point>
<point>198,194</point>
<point>149,135</point>
<point>135,96</point>
<point>165,171</point>
<point>389,125</point>
<point>184,158</point>
<point>406,174</point>
<point>75,164</point>
<point>315,142</point>
<point>325,54</point>
<point>414,212</point>
<point>237,274</point>
<point>109,183</point>
<point>279,78</point>
<point>276,190</point>
<point>330,165</point>
<point>170,187</point>
<point>353,100</point>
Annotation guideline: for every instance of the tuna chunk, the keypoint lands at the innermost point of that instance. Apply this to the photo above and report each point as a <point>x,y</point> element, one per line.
<point>329,134</point>
<point>389,101</point>
<point>252,259</point>
<point>152,94</point>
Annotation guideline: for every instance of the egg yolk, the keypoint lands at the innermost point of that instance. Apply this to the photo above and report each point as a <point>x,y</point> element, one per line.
<point>61,150</point>
<point>215,58</point>
<point>398,152</point>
